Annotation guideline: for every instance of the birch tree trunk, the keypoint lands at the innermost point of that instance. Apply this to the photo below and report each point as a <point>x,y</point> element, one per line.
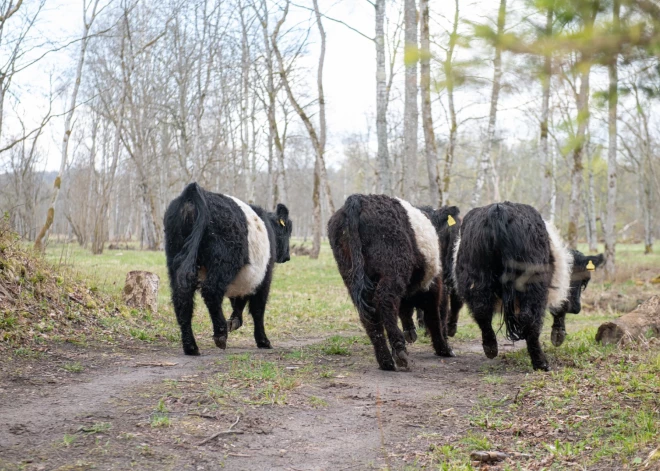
<point>590,200</point>
<point>384,177</point>
<point>548,171</point>
<point>430,146</point>
<point>50,215</point>
<point>613,101</point>
<point>448,67</point>
<point>410,106</point>
<point>580,139</point>
<point>578,151</point>
<point>485,160</point>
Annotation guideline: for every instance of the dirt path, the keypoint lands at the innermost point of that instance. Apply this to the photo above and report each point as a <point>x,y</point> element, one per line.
<point>297,407</point>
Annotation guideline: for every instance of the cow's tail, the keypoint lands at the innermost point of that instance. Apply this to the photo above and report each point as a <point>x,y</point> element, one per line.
<point>186,260</point>
<point>505,244</point>
<point>361,287</point>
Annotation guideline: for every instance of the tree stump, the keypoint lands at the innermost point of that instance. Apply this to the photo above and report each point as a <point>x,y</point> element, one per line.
<point>141,290</point>
<point>638,324</point>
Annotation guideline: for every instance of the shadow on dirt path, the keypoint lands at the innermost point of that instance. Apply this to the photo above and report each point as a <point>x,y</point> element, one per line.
<point>293,408</point>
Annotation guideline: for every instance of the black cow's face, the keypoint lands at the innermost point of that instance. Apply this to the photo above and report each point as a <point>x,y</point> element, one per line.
<point>283,227</point>
<point>583,266</point>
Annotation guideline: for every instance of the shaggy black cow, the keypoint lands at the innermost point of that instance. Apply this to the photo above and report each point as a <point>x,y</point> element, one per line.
<point>508,258</point>
<point>582,268</point>
<point>227,248</point>
<point>447,222</point>
<point>388,253</point>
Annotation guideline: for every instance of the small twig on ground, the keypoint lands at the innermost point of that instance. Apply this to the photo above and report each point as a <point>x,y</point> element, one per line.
<point>154,363</point>
<point>224,432</point>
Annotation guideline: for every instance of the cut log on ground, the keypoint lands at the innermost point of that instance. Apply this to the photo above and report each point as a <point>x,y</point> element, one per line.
<point>642,323</point>
<point>141,290</point>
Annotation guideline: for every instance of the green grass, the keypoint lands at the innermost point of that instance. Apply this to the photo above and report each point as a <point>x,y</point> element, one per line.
<point>604,398</point>
<point>307,296</point>
<point>73,367</point>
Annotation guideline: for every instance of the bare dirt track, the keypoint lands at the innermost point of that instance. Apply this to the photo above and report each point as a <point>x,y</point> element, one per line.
<point>297,408</point>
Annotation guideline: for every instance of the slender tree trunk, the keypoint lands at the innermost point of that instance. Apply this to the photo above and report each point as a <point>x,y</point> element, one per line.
<point>485,161</point>
<point>317,138</point>
<point>590,202</point>
<point>50,215</point>
<point>410,105</point>
<point>580,139</point>
<point>430,146</point>
<point>578,151</point>
<point>613,101</point>
<point>325,181</point>
<point>448,67</point>
<point>384,177</point>
<point>548,171</point>
<point>316,215</point>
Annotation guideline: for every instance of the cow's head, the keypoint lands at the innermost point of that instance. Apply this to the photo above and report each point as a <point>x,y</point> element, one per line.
<point>583,267</point>
<point>283,227</point>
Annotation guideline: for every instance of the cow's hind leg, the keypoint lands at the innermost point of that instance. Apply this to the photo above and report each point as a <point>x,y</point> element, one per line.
<point>532,311</point>
<point>387,299</point>
<point>558,334</point>
<point>456,303</point>
<point>482,310</point>
<point>430,304</point>
<point>258,309</point>
<point>237,307</point>
<point>213,290</point>
<point>183,300</point>
<point>406,316</point>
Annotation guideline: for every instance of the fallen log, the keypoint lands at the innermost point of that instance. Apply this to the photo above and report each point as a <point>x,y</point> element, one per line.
<point>641,323</point>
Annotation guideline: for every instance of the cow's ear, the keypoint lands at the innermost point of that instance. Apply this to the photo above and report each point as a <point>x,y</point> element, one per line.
<point>282,211</point>
<point>597,260</point>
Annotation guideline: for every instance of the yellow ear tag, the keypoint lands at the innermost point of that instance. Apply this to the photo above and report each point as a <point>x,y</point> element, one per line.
<point>591,266</point>
<point>282,223</point>
<point>451,221</point>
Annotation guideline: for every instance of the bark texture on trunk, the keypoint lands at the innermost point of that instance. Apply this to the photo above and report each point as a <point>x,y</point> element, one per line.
<point>548,171</point>
<point>410,106</point>
<point>448,67</point>
<point>486,168</point>
<point>613,101</point>
<point>384,176</point>
<point>141,290</point>
<point>640,324</point>
<point>430,146</point>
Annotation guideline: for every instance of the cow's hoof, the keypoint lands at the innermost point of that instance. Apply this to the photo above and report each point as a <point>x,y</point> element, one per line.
<point>387,365</point>
<point>451,330</point>
<point>557,337</point>
<point>446,352</point>
<point>541,367</point>
<point>490,350</point>
<point>264,344</point>
<point>193,351</point>
<point>234,324</point>
<point>410,335</point>
<point>220,342</point>
<point>401,358</point>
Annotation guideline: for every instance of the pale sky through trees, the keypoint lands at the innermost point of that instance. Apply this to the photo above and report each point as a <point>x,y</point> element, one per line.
<point>349,74</point>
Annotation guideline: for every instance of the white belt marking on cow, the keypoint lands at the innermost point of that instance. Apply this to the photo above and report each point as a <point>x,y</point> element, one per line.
<point>251,275</point>
<point>561,276</point>
<point>427,241</point>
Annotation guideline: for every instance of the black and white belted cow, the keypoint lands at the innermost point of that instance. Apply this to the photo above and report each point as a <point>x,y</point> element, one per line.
<point>508,258</point>
<point>388,254</point>
<point>227,248</point>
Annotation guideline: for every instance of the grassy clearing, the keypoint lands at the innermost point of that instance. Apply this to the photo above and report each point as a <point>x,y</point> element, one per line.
<point>598,406</point>
<point>307,296</point>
